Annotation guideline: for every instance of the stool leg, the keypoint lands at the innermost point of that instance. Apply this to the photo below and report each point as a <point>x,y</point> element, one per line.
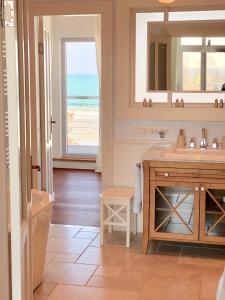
<point>128,226</point>
<point>110,226</point>
<point>134,223</point>
<point>102,223</point>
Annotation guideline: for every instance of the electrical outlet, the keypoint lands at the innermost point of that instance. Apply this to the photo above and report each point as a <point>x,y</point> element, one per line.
<point>144,131</point>
<point>149,131</point>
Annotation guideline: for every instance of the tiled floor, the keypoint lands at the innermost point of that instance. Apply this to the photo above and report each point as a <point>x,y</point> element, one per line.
<point>77,268</point>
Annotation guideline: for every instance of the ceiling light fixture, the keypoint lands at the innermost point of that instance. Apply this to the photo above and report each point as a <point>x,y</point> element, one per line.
<point>166,1</point>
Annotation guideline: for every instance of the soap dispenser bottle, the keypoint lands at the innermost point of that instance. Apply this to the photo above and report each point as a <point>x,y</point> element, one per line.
<point>181,139</point>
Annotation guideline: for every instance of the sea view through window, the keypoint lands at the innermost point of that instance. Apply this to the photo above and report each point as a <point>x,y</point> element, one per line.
<point>82,97</point>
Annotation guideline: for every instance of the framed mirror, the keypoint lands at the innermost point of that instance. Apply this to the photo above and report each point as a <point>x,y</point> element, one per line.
<point>180,53</point>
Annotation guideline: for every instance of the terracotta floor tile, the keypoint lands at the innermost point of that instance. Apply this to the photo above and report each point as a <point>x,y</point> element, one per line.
<point>66,257</point>
<point>111,271</point>
<point>67,245</point>
<point>86,235</point>
<point>69,292</point>
<point>63,230</point>
<point>186,291</point>
<point>209,283</point>
<point>157,290</point>
<point>149,272</point>
<point>120,283</point>
<point>203,252</point>
<point>102,255</point>
<point>160,290</point>
<point>140,260</point>
<point>91,229</point>
<point>187,274</point>
<point>45,289</point>
<point>96,242</point>
<point>38,297</point>
<point>77,274</point>
<point>49,256</point>
<point>204,262</point>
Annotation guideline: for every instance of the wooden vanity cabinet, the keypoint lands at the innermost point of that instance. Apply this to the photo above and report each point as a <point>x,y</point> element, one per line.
<point>174,210</point>
<point>212,213</point>
<point>184,202</point>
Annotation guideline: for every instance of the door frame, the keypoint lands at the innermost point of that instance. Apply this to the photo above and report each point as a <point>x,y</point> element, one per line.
<point>105,9</point>
<point>4,184</point>
<point>64,104</point>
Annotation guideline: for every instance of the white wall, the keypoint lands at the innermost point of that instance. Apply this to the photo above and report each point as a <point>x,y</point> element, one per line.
<point>128,144</point>
<point>65,27</point>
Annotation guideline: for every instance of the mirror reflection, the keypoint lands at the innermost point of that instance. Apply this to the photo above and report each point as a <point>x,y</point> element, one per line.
<point>178,52</point>
<point>185,56</point>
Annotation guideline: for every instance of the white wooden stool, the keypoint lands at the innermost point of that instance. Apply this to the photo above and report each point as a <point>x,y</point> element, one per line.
<point>115,200</point>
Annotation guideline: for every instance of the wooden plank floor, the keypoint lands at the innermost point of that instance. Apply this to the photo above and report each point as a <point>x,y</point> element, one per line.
<point>77,197</point>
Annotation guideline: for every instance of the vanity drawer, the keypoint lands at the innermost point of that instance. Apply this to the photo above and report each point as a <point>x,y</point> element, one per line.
<point>191,175</point>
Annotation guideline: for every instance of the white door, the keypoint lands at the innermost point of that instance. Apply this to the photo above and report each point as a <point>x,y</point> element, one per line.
<point>44,49</point>
<point>17,144</point>
<point>4,175</point>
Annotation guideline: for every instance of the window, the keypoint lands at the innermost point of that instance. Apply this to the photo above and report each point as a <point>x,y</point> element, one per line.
<point>202,63</point>
<point>81,98</point>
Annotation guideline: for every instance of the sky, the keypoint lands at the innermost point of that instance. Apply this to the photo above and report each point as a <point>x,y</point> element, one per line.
<point>81,58</point>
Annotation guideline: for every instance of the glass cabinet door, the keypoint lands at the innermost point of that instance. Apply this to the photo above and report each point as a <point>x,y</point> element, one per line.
<point>212,207</point>
<point>174,210</point>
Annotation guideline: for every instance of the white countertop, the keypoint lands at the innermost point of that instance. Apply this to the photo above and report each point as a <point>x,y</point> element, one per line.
<point>184,155</point>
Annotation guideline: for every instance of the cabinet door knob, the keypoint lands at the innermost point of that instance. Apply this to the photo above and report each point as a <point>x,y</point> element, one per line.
<point>166,174</point>
<point>202,189</point>
<point>197,188</point>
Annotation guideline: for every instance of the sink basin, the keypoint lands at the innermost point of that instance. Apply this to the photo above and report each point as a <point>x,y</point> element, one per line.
<point>196,154</point>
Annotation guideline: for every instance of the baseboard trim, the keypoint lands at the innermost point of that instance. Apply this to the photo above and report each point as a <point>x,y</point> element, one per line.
<point>75,159</point>
<point>74,164</point>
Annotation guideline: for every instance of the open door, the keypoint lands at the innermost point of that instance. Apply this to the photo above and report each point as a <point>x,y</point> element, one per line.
<point>4,175</point>
<point>15,179</point>
<point>44,50</point>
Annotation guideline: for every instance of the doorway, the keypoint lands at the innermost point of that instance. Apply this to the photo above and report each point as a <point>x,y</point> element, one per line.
<point>70,101</point>
<point>81,90</point>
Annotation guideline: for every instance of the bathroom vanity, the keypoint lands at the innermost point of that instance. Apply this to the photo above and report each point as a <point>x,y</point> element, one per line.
<point>184,196</point>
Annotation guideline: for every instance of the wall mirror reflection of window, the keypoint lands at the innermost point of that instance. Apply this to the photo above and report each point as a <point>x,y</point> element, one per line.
<point>179,52</point>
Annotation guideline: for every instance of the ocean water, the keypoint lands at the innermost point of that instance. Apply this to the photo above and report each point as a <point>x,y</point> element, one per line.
<point>83,85</point>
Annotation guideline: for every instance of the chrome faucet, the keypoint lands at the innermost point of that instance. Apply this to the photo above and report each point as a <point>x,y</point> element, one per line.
<point>192,143</point>
<point>215,144</point>
<point>203,143</point>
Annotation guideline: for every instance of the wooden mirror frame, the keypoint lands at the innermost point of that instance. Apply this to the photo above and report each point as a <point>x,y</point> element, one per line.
<point>124,85</point>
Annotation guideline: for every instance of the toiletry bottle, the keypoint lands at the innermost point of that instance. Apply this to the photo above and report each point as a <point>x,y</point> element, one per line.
<point>145,103</point>
<point>150,102</point>
<point>182,103</point>
<point>181,139</point>
<point>216,103</point>
<point>221,103</point>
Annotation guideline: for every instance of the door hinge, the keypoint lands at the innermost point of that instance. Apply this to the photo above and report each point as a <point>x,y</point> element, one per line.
<point>7,13</point>
<point>40,48</point>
